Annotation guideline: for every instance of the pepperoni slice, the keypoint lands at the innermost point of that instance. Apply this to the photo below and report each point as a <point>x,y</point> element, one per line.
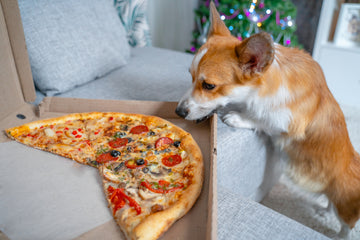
<point>163,141</point>
<point>139,129</point>
<point>171,160</point>
<point>118,142</point>
<point>105,157</point>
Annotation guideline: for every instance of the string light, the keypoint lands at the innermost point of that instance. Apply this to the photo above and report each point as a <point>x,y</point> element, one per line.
<point>254,16</point>
<point>256,13</point>
<point>285,22</point>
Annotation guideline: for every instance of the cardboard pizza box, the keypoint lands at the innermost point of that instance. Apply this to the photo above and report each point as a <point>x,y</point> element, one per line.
<point>57,197</point>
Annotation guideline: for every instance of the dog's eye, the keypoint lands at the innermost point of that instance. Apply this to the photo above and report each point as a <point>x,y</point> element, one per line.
<point>207,86</point>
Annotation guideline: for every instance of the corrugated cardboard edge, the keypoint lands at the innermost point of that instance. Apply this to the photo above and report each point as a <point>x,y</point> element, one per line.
<point>68,105</point>
<point>18,46</point>
<point>212,220</point>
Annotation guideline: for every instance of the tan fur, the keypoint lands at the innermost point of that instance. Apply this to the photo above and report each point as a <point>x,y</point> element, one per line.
<point>320,150</point>
<point>322,158</point>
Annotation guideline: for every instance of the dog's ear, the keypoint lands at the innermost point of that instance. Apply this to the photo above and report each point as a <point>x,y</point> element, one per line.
<point>255,53</point>
<point>217,26</point>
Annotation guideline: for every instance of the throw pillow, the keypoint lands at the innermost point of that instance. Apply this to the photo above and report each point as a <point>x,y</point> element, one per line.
<point>72,42</point>
<point>133,16</point>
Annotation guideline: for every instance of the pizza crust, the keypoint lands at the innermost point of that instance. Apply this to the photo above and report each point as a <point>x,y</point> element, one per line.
<point>154,225</point>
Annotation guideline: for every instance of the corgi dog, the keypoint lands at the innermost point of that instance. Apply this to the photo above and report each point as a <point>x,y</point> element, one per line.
<point>282,92</point>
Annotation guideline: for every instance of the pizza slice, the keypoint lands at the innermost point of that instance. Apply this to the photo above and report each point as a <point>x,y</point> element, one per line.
<point>65,136</point>
<point>152,170</point>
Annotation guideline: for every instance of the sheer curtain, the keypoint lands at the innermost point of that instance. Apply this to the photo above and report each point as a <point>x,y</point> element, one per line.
<point>171,23</point>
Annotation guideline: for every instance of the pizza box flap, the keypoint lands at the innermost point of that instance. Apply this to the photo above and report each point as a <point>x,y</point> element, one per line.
<point>17,86</point>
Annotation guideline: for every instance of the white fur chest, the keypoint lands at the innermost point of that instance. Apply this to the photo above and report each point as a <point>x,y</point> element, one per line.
<point>269,113</point>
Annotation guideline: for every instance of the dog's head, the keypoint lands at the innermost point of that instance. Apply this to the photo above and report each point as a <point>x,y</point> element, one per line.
<point>224,69</point>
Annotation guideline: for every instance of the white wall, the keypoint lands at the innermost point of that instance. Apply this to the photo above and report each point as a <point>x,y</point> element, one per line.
<point>340,64</point>
<point>171,23</point>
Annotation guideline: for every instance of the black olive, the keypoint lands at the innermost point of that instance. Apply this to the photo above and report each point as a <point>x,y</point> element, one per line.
<point>115,153</point>
<point>118,167</point>
<point>148,146</point>
<point>140,161</point>
<point>145,169</point>
<point>119,134</point>
<point>124,127</point>
<point>151,133</point>
<point>129,140</point>
<point>129,148</point>
<point>177,143</point>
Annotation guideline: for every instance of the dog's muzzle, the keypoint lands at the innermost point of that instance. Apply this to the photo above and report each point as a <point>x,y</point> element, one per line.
<point>182,111</point>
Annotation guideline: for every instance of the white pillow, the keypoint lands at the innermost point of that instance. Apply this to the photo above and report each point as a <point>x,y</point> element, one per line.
<point>72,42</point>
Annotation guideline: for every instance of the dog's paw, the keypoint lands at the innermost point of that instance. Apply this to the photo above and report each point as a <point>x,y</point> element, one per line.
<point>344,233</point>
<point>233,119</point>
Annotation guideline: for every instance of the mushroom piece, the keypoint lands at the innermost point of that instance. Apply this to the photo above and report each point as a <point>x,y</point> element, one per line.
<point>157,208</point>
<point>131,191</point>
<point>145,194</point>
<point>160,172</point>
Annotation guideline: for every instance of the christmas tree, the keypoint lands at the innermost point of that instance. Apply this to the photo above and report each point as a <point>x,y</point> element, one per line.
<point>247,17</point>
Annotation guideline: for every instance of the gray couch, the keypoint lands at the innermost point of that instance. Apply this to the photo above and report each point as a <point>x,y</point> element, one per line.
<point>149,73</point>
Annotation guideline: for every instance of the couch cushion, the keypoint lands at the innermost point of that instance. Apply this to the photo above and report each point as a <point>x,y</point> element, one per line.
<point>151,74</point>
<point>72,42</point>
<point>238,165</point>
<point>133,15</point>
<point>241,219</point>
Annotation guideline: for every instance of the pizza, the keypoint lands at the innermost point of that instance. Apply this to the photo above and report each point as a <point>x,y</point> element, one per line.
<point>152,170</point>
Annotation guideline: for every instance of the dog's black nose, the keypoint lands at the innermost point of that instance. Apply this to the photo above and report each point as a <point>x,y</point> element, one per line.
<point>182,112</point>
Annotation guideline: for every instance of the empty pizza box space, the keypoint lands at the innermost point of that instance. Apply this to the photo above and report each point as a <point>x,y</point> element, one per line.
<point>50,197</point>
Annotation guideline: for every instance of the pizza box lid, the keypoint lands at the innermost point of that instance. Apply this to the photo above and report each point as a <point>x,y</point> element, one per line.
<point>17,92</point>
<point>17,86</point>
